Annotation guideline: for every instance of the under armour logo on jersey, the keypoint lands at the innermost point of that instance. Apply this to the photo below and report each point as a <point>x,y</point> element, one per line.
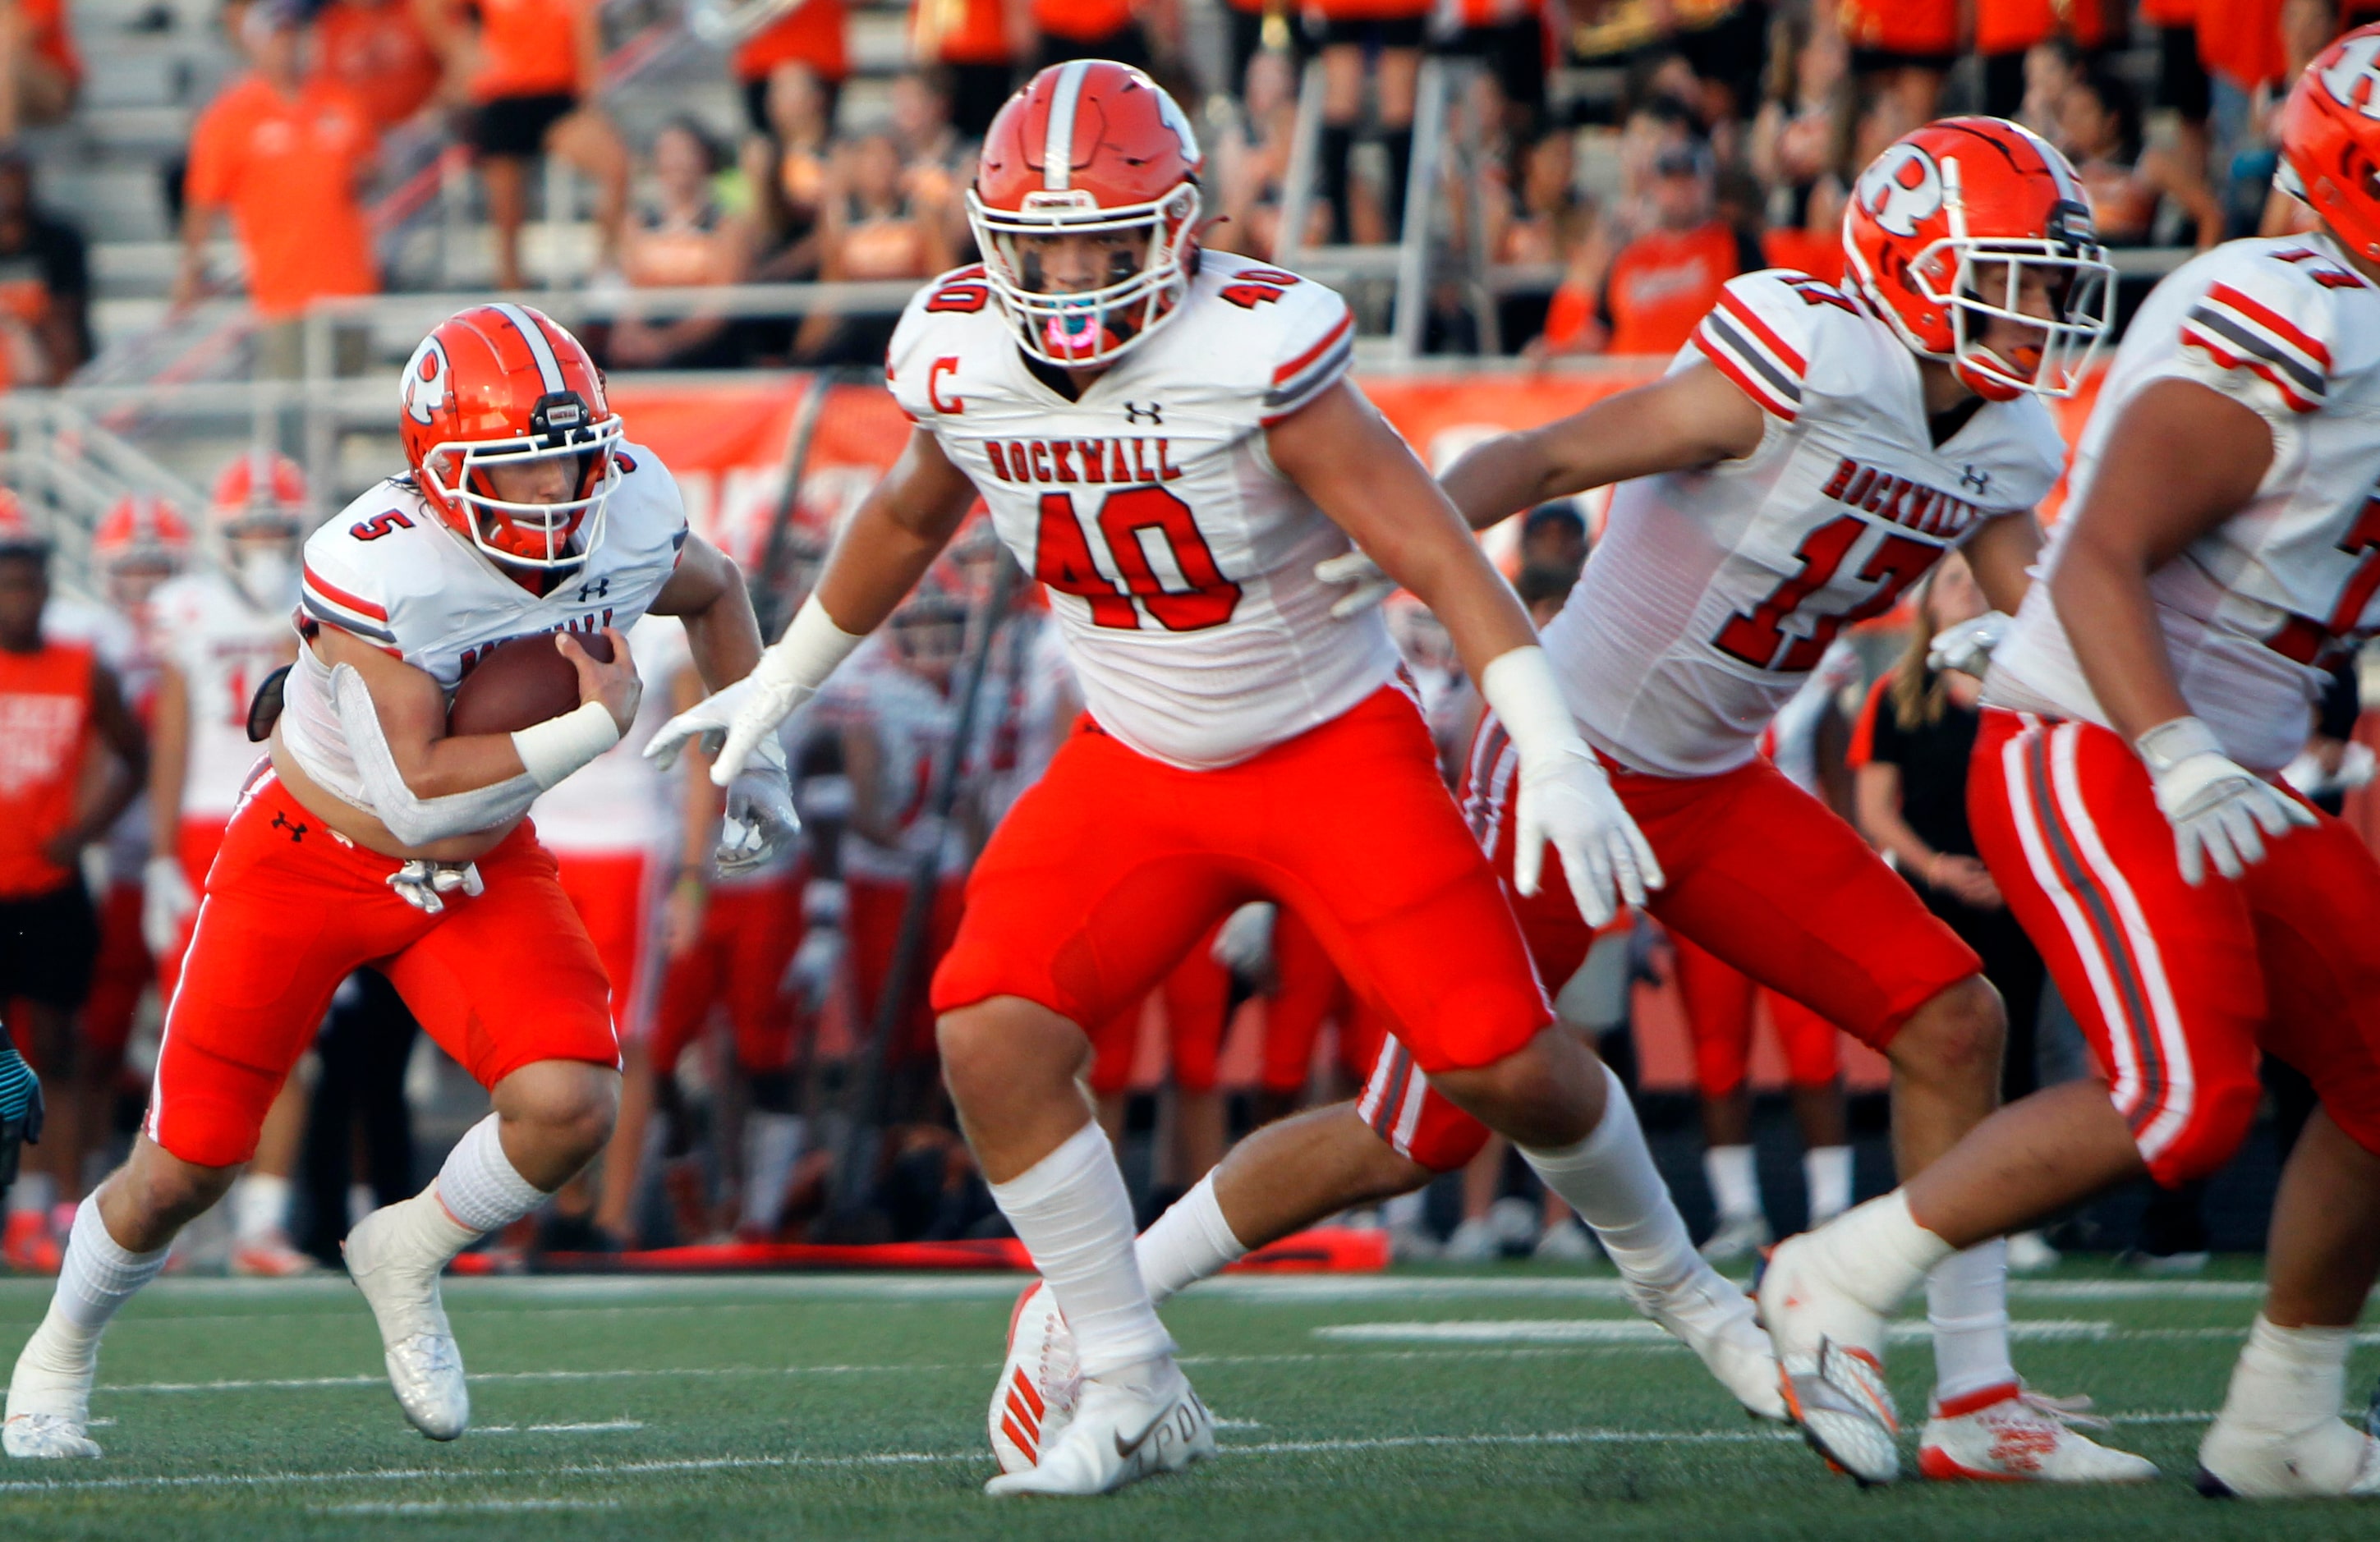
<point>1135,412</point>
<point>595,589</point>
<point>297,832</point>
<point>1902,189</point>
<point>2354,77</point>
<point>424,381</point>
<point>1980,480</point>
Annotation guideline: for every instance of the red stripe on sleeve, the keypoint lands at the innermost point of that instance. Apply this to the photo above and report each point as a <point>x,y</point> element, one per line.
<point>1744,380</point>
<point>1760,329</point>
<point>1289,371</point>
<point>2265,316</point>
<point>340,596</point>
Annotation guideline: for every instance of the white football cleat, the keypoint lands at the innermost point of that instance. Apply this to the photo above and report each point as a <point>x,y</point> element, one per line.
<point>1034,1399</point>
<point>1830,1353</point>
<point>1738,1237</point>
<point>1123,1430</point>
<point>49,1403</point>
<point>1710,1316</point>
<point>2005,1434</point>
<point>1567,1242</point>
<point>425,1369</point>
<point>2332,1460</point>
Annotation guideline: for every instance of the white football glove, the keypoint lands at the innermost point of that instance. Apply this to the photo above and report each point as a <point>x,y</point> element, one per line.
<point>1366,585</point>
<point>1244,942</point>
<point>1564,799</point>
<point>2215,805</point>
<point>733,722</point>
<point>423,884</point>
<point>2357,765</point>
<point>761,817</point>
<point>165,903</point>
<point>1966,649</point>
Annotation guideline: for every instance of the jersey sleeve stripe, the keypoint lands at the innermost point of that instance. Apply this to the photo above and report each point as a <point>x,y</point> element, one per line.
<point>1288,372</point>
<point>329,616</point>
<point>2273,321</point>
<point>1754,376</point>
<point>1285,400</point>
<point>2236,347</point>
<point>1794,363</point>
<point>342,597</point>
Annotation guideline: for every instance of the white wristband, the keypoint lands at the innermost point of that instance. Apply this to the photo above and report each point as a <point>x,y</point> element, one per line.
<point>552,750</point>
<point>813,645</point>
<point>1527,699</point>
<point>2172,742</point>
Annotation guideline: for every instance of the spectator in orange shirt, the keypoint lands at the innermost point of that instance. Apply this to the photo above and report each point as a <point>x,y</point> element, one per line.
<point>684,239</point>
<point>1666,279</point>
<point>812,36</point>
<point>1904,48</point>
<point>786,170</point>
<point>377,50</point>
<point>41,75</point>
<point>531,69</point>
<point>875,228</point>
<point>284,153</point>
<point>1092,30</point>
<point>980,43</point>
<point>2099,128</point>
<point>45,277</point>
<point>2005,31</point>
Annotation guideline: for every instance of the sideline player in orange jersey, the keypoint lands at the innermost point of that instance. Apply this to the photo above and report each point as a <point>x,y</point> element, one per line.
<point>377,838</point>
<point>1167,440</point>
<point>57,701</point>
<point>1808,455</point>
<point>2218,552</point>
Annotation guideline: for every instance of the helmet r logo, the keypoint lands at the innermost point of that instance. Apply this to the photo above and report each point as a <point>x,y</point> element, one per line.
<point>2354,77</point>
<point>1902,189</point>
<point>424,385</point>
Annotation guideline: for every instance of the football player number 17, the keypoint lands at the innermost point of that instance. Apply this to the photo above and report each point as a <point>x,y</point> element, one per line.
<point>1759,637</point>
<point>1129,519</point>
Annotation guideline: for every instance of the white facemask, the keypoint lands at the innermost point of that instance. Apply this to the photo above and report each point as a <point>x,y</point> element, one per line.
<point>266,576</point>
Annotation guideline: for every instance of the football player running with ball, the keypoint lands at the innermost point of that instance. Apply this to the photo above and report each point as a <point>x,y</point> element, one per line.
<point>1809,456</point>
<point>376,838</point>
<point>2218,552</point>
<point>1167,440</point>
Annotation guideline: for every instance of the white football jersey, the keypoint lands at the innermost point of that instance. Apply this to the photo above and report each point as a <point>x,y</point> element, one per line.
<point>390,571</point>
<point>1179,562</point>
<point>223,644</point>
<point>618,802</point>
<point>913,723</point>
<point>1713,593</point>
<point>2287,327</point>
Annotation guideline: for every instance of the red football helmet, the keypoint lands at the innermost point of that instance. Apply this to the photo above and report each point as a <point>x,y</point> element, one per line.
<point>1087,148</point>
<point>259,495</point>
<point>141,530</point>
<point>502,385</point>
<point>1940,233</point>
<point>2330,140</point>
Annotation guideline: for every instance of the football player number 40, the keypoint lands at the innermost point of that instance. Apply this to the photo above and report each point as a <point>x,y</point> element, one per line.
<point>1759,637</point>
<point>1127,518</point>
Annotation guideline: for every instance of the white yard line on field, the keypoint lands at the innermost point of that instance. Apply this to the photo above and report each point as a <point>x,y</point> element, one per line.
<point>1636,1330</point>
<point>462,1507</point>
<point>608,1426</point>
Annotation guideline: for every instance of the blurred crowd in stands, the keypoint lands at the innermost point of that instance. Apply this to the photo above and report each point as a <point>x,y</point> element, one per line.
<point>1625,158</point>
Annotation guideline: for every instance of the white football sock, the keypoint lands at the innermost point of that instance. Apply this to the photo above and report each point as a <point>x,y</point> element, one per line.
<point>32,1194</point>
<point>260,1206</point>
<point>479,1184</point>
<point>1735,1188</point>
<point>772,1143</point>
<point>98,1277</point>
<point>1826,1173</point>
<point>1877,1253</point>
<point>1966,1304</point>
<point>1610,1180</point>
<point>1071,1212</point>
<point>1191,1241</point>
<point>2288,1380</point>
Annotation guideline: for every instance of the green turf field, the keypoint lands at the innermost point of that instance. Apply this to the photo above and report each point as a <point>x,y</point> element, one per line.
<point>1421,1404</point>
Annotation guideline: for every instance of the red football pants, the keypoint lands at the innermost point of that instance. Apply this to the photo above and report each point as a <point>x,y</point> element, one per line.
<point>872,921</point>
<point>1197,994</point>
<point>1719,1001</point>
<point>2178,987</point>
<point>750,933</point>
<point>1112,866</point>
<point>1760,874</point>
<point>608,891</point>
<point>500,981</point>
<point>121,972</point>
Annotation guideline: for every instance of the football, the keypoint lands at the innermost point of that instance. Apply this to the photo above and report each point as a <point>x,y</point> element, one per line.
<point>522,682</point>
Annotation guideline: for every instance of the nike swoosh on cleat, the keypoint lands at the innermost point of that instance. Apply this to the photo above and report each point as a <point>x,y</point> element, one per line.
<point>1126,1451</point>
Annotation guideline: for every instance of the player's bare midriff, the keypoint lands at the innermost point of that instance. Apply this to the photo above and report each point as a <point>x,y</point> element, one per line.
<point>366,830</point>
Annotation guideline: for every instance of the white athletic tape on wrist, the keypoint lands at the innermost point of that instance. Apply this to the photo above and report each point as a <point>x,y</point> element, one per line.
<point>813,645</point>
<point>551,751</point>
<point>1520,687</point>
<point>413,820</point>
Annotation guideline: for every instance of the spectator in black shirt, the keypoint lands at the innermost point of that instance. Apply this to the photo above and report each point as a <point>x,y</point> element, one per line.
<point>44,282</point>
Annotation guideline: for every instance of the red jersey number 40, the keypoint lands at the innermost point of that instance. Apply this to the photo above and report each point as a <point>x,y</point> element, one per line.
<point>1061,559</point>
